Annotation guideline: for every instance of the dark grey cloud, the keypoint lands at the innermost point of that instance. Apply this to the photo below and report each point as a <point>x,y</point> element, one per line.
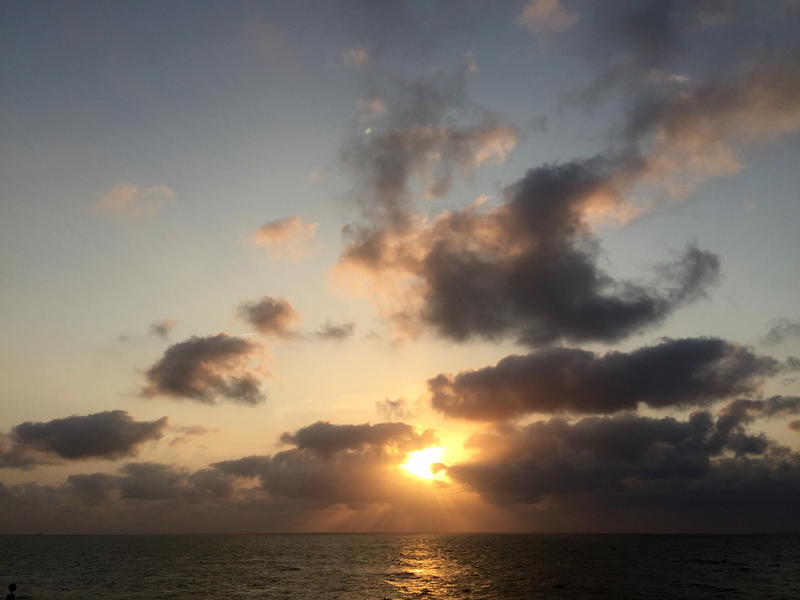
<point>247,466</point>
<point>674,373</point>
<point>94,488</point>
<point>393,408</point>
<point>336,332</point>
<point>106,435</point>
<point>651,32</point>
<point>782,330</point>
<point>627,472</point>
<point>206,368</point>
<point>303,491</point>
<point>625,454</point>
<point>12,456</point>
<point>528,267</point>
<point>646,48</point>
<point>745,411</point>
<point>333,464</point>
<point>151,481</point>
<point>328,439</point>
<point>271,316</point>
<point>162,328</point>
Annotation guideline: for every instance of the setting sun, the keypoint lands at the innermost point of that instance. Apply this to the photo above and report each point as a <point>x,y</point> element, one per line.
<point>421,463</point>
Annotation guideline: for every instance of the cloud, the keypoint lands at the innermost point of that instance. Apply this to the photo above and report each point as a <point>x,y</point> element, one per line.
<point>328,439</point>
<point>286,238</point>
<point>184,432</point>
<point>546,15</point>
<point>652,31</point>
<point>336,464</point>
<point>625,472</point>
<point>109,435</point>
<point>528,268</point>
<point>370,108</point>
<point>162,328</point>
<point>694,124</point>
<point>792,363</point>
<point>525,268</point>
<point>357,56</point>
<point>637,45</point>
<point>335,331</point>
<point>94,488</point>
<point>206,368</point>
<point>675,373</point>
<point>782,330</point>
<point>271,316</point>
<point>393,409</point>
<point>745,410</point>
<point>129,200</point>
<point>421,134</point>
<point>688,137</point>
<point>152,481</point>
<point>628,455</point>
<point>355,488</point>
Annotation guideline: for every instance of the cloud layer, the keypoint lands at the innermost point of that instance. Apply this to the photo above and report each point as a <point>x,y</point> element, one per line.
<point>331,464</point>
<point>672,374</point>
<point>667,463</point>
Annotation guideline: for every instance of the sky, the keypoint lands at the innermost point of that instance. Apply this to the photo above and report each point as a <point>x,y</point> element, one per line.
<point>415,265</point>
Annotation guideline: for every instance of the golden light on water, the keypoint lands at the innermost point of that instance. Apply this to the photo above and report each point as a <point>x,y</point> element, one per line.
<point>422,463</point>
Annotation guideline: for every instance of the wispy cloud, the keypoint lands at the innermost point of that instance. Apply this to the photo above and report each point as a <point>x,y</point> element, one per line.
<point>162,328</point>
<point>286,238</point>
<point>547,15</point>
<point>357,56</point>
<point>336,332</point>
<point>129,200</point>
<point>782,330</point>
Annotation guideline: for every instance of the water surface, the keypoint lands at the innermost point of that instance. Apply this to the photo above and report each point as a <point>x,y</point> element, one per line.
<point>426,566</point>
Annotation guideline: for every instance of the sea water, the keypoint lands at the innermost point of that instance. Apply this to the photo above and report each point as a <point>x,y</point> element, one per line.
<point>378,566</point>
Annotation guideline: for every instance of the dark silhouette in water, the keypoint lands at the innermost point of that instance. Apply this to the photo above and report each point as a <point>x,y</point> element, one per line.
<point>12,587</point>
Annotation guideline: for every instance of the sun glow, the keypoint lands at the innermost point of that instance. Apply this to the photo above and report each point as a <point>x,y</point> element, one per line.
<point>424,463</point>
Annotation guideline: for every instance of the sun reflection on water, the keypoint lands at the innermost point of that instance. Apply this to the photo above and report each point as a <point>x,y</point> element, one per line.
<point>424,568</point>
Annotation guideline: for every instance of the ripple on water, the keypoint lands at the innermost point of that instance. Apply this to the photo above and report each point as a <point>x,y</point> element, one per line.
<point>442,567</point>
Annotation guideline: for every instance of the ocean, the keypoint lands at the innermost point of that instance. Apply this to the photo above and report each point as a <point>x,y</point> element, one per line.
<point>424,566</point>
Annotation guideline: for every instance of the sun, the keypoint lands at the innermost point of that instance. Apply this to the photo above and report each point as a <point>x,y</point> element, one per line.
<point>422,463</point>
